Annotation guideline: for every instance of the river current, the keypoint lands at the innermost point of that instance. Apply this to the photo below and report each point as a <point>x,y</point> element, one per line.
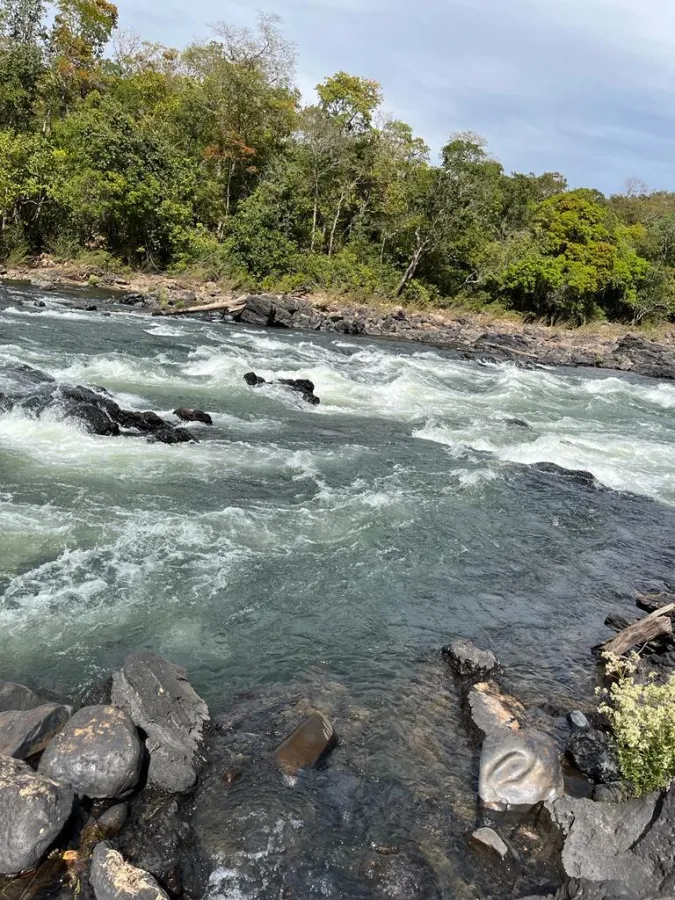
<point>338,546</point>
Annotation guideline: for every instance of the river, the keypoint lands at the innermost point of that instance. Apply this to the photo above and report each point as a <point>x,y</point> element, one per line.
<point>338,545</point>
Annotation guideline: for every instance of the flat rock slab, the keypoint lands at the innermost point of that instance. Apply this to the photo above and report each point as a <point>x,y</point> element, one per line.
<point>306,745</point>
<point>114,879</point>
<point>24,733</point>
<point>18,696</point>
<point>467,659</point>
<point>98,753</point>
<point>33,812</point>
<point>159,699</point>
<point>491,710</point>
<point>632,843</point>
<point>518,770</point>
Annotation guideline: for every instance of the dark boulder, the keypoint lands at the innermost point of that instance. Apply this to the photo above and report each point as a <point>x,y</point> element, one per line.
<point>170,435</point>
<point>94,419</point>
<point>592,752</point>
<point>156,838</point>
<point>309,743</point>
<point>161,701</point>
<point>33,813</point>
<point>578,475</point>
<point>6,403</point>
<point>114,879</point>
<point>467,659</point>
<point>193,415</point>
<point>133,299</point>
<point>26,732</point>
<point>253,380</point>
<point>258,310</point>
<point>18,696</point>
<point>303,386</point>
<point>518,423</point>
<point>98,753</point>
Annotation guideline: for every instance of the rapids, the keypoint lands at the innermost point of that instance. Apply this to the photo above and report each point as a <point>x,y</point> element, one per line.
<point>344,543</point>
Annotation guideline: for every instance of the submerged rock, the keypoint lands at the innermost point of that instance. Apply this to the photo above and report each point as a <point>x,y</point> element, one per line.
<point>488,839</point>
<point>98,753</point>
<point>156,839</point>
<point>518,770</point>
<point>193,415</point>
<point>26,732</point>
<point>403,876</point>
<point>592,752</point>
<point>114,879</point>
<point>159,699</point>
<point>33,812</point>
<point>467,659</point>
<point>306,745</point>
<point>18,696</point>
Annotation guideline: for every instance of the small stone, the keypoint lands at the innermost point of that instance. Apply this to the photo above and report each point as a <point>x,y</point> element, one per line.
<point>98,753</point>
<point>467,659</point>
<point>307,745</point>
<point>490,840</point>
<point>24,733</point>
<point>18,696</point>
<point>578,720</point>
<point>193,415</point>
<point>610,793</point>
<point>518,770</point>
<point>493,711</point>
<point>33,812</point>
<point>160,700</point>
<point>114,879</point>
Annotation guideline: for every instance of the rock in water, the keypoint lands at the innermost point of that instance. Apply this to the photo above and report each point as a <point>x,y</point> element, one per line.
<point>305,747</point>
<point>467,659</point>
<point>98,753</point>
<point>488,839</point>
<point>18,696</point>
<point>493,711</point>
<point>33,812</point>
<point>193,415</point>
<point>114,879</point>
<point>23,733</point>
<point>160,700</point>
<point>519,769</point>
<point>593,753</point>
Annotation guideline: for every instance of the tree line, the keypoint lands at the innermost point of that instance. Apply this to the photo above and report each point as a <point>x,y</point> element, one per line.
<point>205,160</point>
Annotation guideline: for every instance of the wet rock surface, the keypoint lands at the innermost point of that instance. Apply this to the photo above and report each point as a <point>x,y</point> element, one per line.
<point>36,393</point>
<point>493,711</point>
<point>33,813</point>
<point>310,741</point>
<point>193,415</point>
<point>468,659</point>
<point>518,770</point>
<point>25,733</point>
<point>114,879</point>
<point>18,697</point>
<point>302,386</point>
<point>161,701</point>
<point>98,753</point>
<point>488,839</point>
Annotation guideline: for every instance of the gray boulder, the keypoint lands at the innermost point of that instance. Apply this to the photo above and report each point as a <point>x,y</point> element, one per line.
<point>518,770</point>
<point>491,710</point>
<point>33,812</point>
<point>24,733</point>
<point>114,879</point>
<point>98,753</point>
<point>159,698</point>
<point>632,843</point>
<point>18,696</point>
<point>467,659</point>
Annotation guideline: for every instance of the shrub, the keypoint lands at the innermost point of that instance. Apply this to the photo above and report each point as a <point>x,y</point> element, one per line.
<point>642,716</point>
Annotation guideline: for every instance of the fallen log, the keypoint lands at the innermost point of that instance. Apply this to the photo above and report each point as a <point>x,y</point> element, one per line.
<point>641,632</point>
<point>220,306</point>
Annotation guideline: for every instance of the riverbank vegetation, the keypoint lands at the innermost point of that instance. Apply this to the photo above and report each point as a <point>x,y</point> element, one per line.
<point>206,160</point>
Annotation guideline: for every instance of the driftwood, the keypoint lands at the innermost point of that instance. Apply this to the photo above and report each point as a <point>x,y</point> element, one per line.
<point>641,632</point>
<point>221,305</point>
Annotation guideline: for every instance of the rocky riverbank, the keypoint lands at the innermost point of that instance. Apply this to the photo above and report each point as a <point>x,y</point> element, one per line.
<point>139,795</point>
<point>475,335</point>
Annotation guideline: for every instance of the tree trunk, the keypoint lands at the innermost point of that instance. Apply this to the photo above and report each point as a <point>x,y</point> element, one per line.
<point>412,267</point>
<point>228,195</point>
<point>335,224</point>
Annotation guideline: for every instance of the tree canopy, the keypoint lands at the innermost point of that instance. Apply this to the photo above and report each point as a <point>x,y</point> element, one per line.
<point>205,159</point>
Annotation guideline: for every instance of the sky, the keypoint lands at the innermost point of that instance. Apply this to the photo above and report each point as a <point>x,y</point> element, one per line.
<point>582,87</point>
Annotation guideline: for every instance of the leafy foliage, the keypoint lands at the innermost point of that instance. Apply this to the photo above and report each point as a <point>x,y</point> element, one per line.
<point>204,158</point>
<point>642,716</point>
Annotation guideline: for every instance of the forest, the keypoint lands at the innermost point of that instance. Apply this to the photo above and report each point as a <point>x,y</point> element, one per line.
<point>205,160</point>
